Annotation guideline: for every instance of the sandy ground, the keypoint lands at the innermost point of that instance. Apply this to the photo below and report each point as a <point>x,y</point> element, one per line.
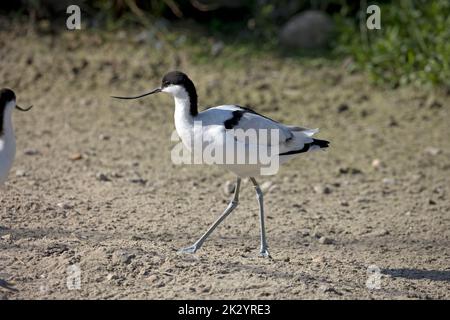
<point>93,185</point>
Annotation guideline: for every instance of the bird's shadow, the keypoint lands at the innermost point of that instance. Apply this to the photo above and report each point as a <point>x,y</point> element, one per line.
<point>415,274</point>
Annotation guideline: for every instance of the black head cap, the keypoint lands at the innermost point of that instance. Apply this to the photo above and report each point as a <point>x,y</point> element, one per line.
<point>181,79</point>
<point>6,95</point>
<point>176,78</point>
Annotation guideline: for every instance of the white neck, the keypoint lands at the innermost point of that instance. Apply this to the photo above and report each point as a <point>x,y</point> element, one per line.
<point>7,144</point>
<point>182,109</point>
<point>8,130</point>
<point>183,119</point>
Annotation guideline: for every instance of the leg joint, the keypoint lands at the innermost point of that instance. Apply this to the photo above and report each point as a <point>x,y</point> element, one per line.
<point>259,193</point>
<point>233,204</point>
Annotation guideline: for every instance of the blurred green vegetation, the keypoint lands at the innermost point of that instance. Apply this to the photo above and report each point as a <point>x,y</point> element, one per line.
<point>412,47</point>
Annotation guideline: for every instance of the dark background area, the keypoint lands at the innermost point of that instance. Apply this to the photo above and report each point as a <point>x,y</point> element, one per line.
<point>412,46</point>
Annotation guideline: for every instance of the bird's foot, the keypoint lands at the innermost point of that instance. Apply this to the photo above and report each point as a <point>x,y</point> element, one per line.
<point>192,249</point>
<point>264,253</point>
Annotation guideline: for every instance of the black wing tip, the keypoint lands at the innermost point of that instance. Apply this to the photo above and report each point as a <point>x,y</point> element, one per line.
<point>316,142</point>
<point>321,143</point>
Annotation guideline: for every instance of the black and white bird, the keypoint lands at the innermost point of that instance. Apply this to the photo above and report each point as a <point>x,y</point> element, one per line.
<point>218,126</point>
<point>7,138</point>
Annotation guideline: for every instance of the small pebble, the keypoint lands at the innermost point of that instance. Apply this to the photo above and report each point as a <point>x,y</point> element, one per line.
<point>322,189</point>
<point>363,200</point>
<point>327,289</point>
<point>138,180</point>
<point>316,234</point>
<point>228,187</point>
<point>75,156</point>
<point>304,232</point>
<point>347,170</point>
<point>116,175</point>
<point>318,259</point>
<point>392,122</point>
<point>31,152</point>
<point>65,206</point>
<point>265,187</point>
<point>102,177</point>
<point>56,248</point>
<point>325,240</point>
<point>123,257</point>
<point>431,102</point>
<point>206,289</point>
<point>364,113</point>
<point>287,179</point>
<point>103,137</point>
<point>342,108</point>
<point>6,237</point>
<point>153,278</point>
<point>20,173</point>
<point>389,181</point>
<point>111,276</point>
<point>376,163</point>
<point>432,151</point>
<point>378,233</point>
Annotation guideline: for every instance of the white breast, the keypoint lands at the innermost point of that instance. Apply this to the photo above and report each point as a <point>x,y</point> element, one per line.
<point>7,146</point>
<point>183,121</point>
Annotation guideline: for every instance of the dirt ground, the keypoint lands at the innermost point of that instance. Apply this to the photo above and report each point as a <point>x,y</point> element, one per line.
<point>93,185</point>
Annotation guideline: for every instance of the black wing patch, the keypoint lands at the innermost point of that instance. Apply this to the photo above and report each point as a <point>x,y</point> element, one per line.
<point>237,115</point>
<point>234,120</point>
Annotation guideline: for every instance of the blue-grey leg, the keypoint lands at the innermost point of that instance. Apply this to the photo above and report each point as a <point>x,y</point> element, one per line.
<point>264,252</point>
<point>231,206</point>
